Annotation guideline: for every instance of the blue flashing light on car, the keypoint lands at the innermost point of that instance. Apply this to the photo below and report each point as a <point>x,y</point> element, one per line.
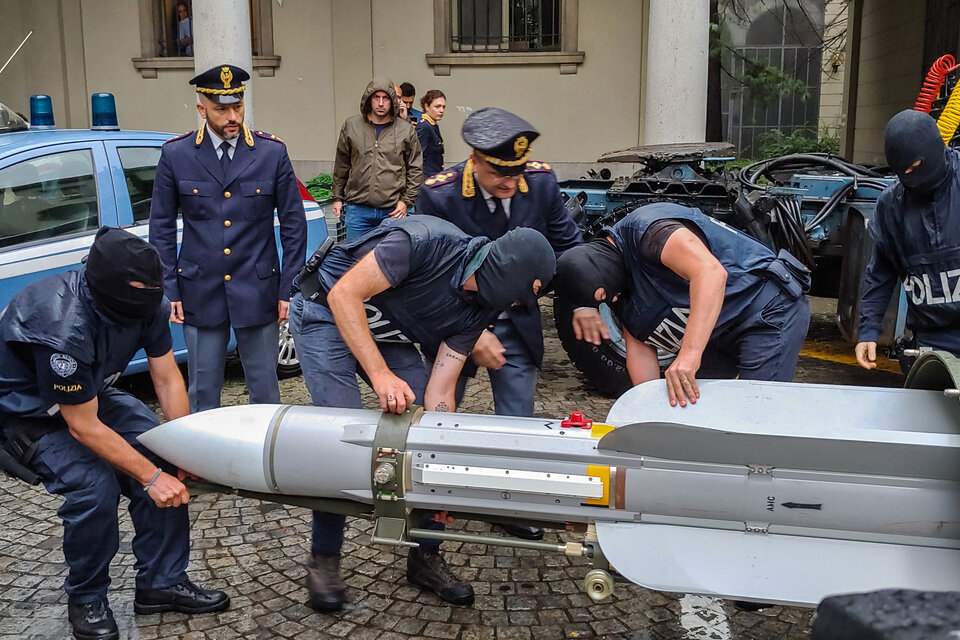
<point>41,112</point>
<point>104,110</point>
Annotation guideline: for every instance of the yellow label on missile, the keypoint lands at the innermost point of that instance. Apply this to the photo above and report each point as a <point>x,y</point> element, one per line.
<point>600,430</point>
<point>603,473</point>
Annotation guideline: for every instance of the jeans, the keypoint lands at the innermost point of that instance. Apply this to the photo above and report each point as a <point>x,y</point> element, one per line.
<point>359,218</point>
<point>330,371</point>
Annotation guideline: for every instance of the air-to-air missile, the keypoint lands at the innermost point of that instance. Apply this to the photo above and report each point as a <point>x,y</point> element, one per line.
<point>771,492</point>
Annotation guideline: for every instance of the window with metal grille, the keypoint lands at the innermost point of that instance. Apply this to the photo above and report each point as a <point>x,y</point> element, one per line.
<point>505,25</point>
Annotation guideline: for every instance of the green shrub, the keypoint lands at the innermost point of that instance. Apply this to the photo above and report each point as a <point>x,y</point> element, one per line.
<point>319,186</point>
<point>776,143</point>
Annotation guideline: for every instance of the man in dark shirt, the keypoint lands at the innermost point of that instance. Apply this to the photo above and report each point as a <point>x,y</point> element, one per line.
<point>64,340</point>
<point>688,284</point>
<point>414,280</point>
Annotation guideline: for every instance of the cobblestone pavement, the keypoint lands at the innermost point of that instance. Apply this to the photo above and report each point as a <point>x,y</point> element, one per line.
<point>257,550</point>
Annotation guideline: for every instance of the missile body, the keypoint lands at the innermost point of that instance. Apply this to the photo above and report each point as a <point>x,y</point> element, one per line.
<point>767,491</point>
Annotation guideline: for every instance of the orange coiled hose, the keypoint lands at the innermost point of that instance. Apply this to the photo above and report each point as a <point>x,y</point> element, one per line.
<point>935,79</point>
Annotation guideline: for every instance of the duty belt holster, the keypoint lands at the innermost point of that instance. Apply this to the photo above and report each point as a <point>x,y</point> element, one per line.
<point>18,449</point>
<point>308,281</point>
<point>791,275</point>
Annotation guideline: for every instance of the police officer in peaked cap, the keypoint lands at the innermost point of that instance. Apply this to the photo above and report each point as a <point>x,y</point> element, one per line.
<point>227,181</point>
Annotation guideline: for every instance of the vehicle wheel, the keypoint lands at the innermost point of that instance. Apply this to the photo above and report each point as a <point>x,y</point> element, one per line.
<point>288,365</point>
<point>604,366</point>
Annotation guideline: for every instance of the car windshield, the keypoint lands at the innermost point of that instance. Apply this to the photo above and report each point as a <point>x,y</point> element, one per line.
<point>10,120</point>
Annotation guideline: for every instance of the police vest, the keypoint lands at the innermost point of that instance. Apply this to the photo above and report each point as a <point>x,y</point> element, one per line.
<point>656,307</point>
<point>428,306</point>
<point>59,312</point>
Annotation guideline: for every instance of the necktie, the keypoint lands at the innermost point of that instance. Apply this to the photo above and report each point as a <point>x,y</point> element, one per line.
<point>498,220</point>
<point>225,157</point>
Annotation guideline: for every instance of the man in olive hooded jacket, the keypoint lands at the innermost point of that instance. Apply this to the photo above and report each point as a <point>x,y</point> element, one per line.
<point>379,166</point>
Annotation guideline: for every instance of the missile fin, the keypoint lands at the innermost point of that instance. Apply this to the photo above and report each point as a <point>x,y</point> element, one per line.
<point>915,455</point>
<point>760,567</point>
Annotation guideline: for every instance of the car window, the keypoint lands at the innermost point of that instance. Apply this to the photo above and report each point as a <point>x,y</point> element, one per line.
<point>139,169</point>
<point>48,196</point>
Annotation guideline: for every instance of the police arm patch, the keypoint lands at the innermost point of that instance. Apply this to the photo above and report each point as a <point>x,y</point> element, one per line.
<point>63,365</point>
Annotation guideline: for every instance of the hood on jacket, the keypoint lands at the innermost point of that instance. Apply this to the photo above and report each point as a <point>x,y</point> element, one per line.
<point>379,84</point>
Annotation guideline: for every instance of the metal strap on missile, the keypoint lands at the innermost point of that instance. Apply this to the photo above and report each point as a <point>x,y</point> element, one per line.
<point>388,477</point>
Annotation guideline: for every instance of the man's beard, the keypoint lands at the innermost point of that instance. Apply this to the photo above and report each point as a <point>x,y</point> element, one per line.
<point>221,131</point>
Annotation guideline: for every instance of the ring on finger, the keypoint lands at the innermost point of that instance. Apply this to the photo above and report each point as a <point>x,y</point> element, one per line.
<point>684,381</point>
<point>390,398</point>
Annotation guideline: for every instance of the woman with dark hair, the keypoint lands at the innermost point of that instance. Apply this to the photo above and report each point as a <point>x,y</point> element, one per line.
<point>428,130</point>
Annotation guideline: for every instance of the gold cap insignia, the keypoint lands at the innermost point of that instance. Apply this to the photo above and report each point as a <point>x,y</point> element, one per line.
<point>226,76</point>
<point>520,145</point>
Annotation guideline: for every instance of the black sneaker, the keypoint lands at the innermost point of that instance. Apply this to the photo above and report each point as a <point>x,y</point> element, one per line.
<point>185,597</point>
<point>327,590</point>
<point>92,620</point>
<point>426,568</point>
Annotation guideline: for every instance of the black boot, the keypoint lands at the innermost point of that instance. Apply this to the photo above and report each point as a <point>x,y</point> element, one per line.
<point>523,531</point>
<point>185,597</point>
<point>426,568</point>
<point>327,590</point>
<point>92,620</point>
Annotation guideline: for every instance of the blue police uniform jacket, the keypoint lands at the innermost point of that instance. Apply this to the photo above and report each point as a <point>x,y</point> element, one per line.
<point>918,241</point>
<point>59,312</point>
<point>431,144</point>
<point>428,306</point>
<point>656,306</point>
<point>228,268</point>
<point>454,196</point>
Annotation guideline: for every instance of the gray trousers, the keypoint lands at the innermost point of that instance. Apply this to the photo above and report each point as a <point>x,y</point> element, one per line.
<point>207,356</point>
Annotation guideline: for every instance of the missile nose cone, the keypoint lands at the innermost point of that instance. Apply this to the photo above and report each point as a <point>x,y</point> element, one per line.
<point>224,445</point>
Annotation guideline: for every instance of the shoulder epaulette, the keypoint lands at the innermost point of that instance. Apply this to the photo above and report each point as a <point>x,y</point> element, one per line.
<point>536,166</point>
<point>180,137</point>
<point>268,136</point>
<point>444,177</point>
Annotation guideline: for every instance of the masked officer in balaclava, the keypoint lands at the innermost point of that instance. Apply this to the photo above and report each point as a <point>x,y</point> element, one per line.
<point>917,234</point>
<point>64,340</point>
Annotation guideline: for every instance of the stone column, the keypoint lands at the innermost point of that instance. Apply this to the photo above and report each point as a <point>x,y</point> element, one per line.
<point>675,87</point>
<point>221,35</point>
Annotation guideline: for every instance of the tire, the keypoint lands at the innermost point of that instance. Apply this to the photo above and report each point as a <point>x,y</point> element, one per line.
<point>288,364</point>
<point>604,366</point>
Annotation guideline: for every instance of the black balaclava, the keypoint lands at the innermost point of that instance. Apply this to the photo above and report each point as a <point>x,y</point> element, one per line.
<point>910,136</point>
<point>116,259</point>
<point>517,258</point>
<point>587,267</point>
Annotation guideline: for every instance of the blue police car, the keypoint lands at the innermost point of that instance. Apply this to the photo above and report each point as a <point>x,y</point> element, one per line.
<point>57,187</point>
